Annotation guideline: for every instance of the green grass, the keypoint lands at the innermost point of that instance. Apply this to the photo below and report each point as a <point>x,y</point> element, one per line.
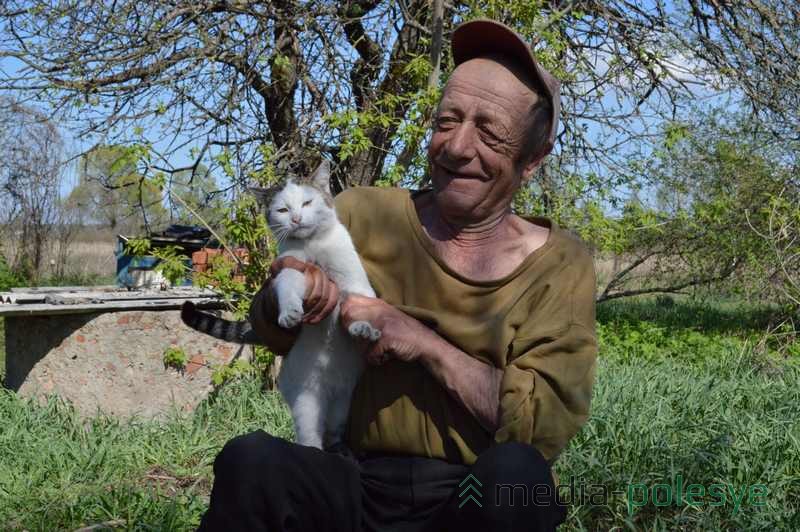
<point>58,474</point>
<point>2,350</point>
<point>681,389</point>
<point>651,422</point>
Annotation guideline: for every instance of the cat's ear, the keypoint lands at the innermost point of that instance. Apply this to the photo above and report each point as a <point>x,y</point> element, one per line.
<point>263,195</point>
<point>322,176</point>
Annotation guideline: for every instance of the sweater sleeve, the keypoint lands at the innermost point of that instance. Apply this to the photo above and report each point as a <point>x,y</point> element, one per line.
<point>546,386</point>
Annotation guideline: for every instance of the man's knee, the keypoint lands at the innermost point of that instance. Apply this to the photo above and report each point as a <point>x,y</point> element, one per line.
<point>512,463</point>
<point>249,454</point>
<point>515,493</point>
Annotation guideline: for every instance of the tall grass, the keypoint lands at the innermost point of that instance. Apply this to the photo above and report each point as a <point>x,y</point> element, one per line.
<point>2,351</point>
<point>57,473</point>
<point>652,422</point>
<point>715,408</point>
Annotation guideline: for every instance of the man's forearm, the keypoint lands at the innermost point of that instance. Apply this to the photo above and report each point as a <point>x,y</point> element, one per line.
<point>471,382</point>
<point>263,319</point>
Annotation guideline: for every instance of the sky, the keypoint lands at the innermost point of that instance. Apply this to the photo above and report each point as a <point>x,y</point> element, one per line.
<point>680,64</point>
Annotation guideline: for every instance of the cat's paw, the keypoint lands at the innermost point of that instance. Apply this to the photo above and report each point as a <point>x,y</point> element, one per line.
<point>290,318</point>
<point>363,329</point>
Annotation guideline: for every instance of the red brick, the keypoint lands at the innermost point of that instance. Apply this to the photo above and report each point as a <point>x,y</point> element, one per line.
<point>225,350</point>
<point>80,338</point>
<point>195,363</point>
<point>225,353</point>
<point>242,254</point>
<point>123,320</point>
<point>199,257</point>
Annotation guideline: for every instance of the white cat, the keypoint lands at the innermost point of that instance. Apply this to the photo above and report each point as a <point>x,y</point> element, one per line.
<point>319,373</point>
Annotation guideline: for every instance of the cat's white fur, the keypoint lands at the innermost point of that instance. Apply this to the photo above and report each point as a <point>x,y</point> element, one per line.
<point>319,373</point>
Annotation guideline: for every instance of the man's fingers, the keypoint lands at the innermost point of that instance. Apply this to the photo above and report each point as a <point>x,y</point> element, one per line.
<point>326,303</point>
<point>357,308</point>
<point>357,300</point>
<point>287,262</point>
<point>314,290</point>
<point>350,312</point>
<point>331,304</point>
<point>377,355</point>
<point>325,293</point>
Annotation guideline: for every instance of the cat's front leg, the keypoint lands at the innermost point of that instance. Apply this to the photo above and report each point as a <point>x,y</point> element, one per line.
<point>290,287</point>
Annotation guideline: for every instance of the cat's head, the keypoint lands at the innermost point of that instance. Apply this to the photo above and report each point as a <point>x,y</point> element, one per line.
<point>301,207</point>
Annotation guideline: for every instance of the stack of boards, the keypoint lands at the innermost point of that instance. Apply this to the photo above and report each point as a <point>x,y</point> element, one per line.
<point>80,299</point>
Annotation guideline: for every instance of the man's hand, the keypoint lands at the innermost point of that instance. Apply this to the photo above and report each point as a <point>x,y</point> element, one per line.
<point>474,384</point>
<point>321,295</point>
<point>402,337</point>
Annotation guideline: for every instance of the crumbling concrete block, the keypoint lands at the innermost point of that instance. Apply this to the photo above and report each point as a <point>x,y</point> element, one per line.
<point>112,362</point>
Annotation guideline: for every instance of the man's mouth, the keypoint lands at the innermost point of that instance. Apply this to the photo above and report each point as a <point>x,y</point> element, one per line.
<point>450,174</point>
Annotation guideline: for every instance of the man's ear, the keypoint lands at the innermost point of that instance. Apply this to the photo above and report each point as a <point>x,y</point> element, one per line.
<point>322,175</point>
<point>530,168</point>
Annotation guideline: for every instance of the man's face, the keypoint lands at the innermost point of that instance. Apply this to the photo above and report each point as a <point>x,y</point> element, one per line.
<point>479,132</point>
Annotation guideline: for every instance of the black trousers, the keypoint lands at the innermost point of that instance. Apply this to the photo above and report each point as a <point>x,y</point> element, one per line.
<point>263,483</point>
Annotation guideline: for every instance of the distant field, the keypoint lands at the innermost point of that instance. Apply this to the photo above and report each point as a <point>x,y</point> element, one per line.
<point>91,255</point>
<point>91,259</point>
<point>688,389</point>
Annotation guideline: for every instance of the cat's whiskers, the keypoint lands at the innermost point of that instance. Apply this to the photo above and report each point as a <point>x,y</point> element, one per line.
<point>281,234</point>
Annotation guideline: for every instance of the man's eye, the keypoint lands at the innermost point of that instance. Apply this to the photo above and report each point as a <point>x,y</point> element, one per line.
<point>445,122</point>
<point>307,203</point>
<point>489,136</point>
<point>283,209</point>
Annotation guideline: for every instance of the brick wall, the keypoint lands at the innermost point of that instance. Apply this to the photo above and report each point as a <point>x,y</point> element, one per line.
<point>203,260</point>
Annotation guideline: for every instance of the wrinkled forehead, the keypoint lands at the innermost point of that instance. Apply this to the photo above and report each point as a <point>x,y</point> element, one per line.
<point>496,71</point>
<point>490,82</point>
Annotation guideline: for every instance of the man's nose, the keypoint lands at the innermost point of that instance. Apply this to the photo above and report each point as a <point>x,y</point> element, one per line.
<point>461,144</point>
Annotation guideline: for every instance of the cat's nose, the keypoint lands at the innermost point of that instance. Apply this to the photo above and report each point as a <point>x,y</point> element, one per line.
<point>296,218</point>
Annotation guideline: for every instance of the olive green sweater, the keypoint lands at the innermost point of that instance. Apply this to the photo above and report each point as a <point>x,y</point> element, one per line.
<point>536,324</point>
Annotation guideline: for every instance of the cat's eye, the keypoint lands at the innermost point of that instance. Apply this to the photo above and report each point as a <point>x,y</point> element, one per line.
<point>283,209</point>
<point>307,203</point>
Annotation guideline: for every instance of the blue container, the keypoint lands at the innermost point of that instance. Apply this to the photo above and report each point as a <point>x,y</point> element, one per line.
<point>128,266</point>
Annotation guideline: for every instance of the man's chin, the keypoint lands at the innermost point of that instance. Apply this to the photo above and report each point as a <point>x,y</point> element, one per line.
<point>458,201</point>
<point>451,184</point>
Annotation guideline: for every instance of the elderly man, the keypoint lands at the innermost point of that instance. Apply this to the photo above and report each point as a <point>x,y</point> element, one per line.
<point>487,355</point>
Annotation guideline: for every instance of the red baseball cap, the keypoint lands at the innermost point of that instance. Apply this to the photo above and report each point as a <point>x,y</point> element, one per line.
<point>483,36</point>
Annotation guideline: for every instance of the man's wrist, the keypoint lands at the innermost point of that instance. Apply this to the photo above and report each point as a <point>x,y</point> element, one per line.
<point>435,353</point>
